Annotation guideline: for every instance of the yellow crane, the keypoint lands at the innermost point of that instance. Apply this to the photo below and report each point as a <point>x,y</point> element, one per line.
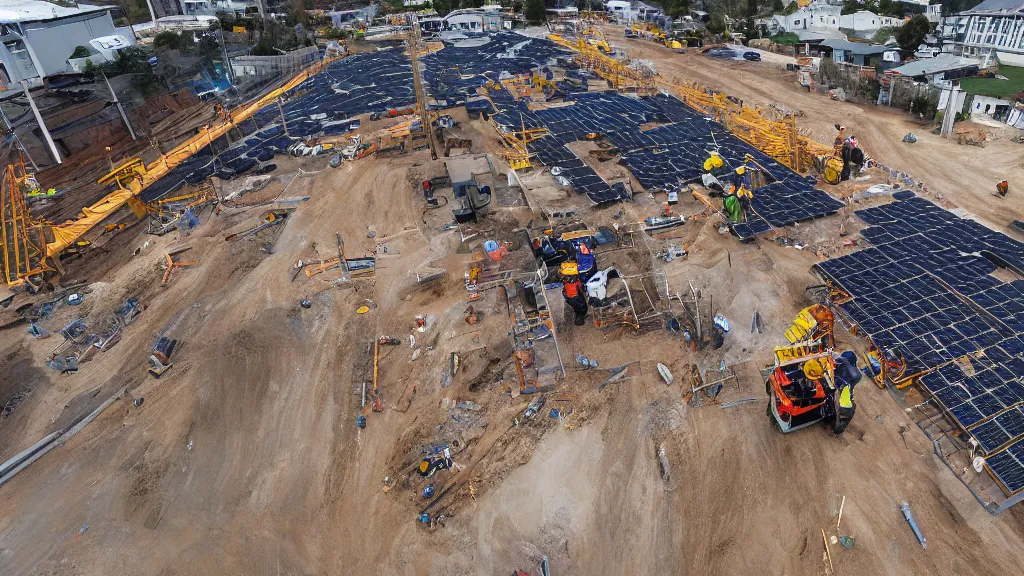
<point>31,247</point>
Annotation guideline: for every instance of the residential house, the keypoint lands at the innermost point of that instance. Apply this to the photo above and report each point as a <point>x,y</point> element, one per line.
<point>991,30</point>
<point>859,53</point>
<point>940,70</point>
<point>814,16</point>
<point>998,108</point>
<point>475,20</point>
<point>864,21</point>
<point>619,9</point>
<point>822,16</point>
<point>38,38</point>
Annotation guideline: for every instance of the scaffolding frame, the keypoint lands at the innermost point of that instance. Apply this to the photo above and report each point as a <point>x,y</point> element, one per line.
<point>22,238</point>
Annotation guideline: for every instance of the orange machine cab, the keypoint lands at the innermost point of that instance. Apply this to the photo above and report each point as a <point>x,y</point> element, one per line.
<point>798,397</point>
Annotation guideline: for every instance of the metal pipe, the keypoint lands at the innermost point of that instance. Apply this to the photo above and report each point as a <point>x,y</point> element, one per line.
<point>119,107</point>
<point>42,125</point>
<point>917,531</point>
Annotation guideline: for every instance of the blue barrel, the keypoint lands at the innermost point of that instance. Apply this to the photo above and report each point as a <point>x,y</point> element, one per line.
<point>428,491</point>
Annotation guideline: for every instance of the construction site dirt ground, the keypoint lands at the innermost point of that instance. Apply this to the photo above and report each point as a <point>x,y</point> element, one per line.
<point>245,459</point>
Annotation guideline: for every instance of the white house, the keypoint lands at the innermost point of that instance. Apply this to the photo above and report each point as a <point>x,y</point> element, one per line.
<point>866,21</point>
<point>38,37</point>
<point>473,20</point>
<point>995,107</point>
<point>816,15</point>
<point>620,10</point>
<point>821,16</point>
<point>211,7</point>
<point>992,29</point>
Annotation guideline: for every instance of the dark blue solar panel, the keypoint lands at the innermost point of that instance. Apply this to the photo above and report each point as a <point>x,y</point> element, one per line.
<point>922,291</point>
<point>668,156</point>
<point>1008,468</point>
<point>358,84</point>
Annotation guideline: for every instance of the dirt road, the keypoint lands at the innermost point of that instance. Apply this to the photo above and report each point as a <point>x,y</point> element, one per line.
<point>963,175</point>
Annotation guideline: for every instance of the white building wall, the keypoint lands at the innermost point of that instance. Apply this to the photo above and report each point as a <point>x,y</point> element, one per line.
<point>811,17</point>
<point>987,105</point>
<point>987,35</point>
<point>51,43</point>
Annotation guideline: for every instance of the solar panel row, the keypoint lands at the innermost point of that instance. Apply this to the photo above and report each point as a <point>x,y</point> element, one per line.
<point>924,292</point>
<point>666,156</point>
<point>359,84</point>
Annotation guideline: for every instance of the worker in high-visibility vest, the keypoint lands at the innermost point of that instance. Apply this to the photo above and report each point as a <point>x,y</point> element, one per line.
<point>586,262</point>
<point>572,291</point>
<point>847,375</point>
<point>741,188</point>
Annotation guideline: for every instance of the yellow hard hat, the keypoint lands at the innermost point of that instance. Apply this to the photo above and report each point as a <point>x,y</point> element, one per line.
<point>741,169</point>
<point>813,369</point>
<point>569,268</point>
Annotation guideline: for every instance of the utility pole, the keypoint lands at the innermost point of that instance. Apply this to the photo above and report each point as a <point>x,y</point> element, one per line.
<point>152,14</point>
<point>42,125</point>
<point>14,132</point>
<point>227,60</point>
<point>119,107</point>
<point>281,110</point>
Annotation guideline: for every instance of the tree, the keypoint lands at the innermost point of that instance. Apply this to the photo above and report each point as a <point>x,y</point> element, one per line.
<point>912,34</point>
<point>80,52</point>
<point>717,24</point>
<point>535,11</point>
<point>883,34</point>
<point>777,6</point>
<point>851,6</point>
<point>168,41</point>
<point>791,7</point>
<point>677,8</point>
<point>263,48</point>
<point>226,21</point>
<point>443,7</point>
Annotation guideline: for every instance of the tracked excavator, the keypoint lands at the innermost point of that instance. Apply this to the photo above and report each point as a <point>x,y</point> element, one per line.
<point>809,382</point>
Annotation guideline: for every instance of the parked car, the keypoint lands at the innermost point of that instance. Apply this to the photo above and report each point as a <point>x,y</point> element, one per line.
<point>752,56</point>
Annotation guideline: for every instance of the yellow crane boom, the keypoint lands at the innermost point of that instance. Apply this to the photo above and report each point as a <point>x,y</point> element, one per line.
<point>27,244</point>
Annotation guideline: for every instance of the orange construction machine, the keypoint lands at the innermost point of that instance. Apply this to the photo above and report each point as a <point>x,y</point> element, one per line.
<point>802,385</point>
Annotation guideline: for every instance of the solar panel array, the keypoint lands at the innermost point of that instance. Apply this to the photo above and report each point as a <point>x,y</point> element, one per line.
<point>455,72</point>
<point>665,157</point>
<point>660,158</point>
<point>359,84</point>
<point>924,292</point>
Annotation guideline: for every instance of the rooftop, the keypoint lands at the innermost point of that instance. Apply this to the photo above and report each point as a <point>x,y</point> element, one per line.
<point>997,7</point>
<point>856,47</point>
<point>36,10</point>
<point>936,65</point>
